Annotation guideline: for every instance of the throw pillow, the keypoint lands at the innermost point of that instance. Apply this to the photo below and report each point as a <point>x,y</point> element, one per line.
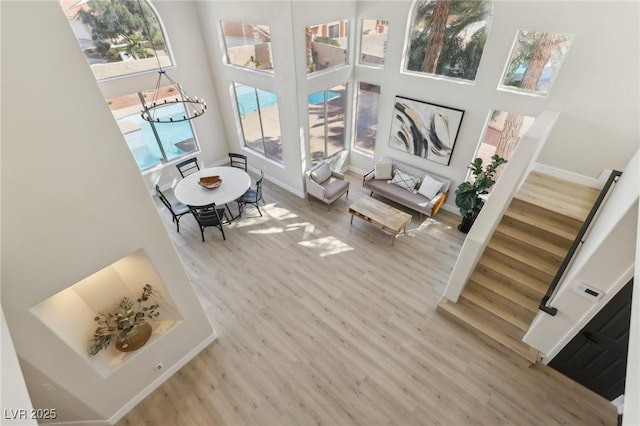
<point>321,173</point>
<point>383,169</point>
<point>405,180</point>
<point>429,187</point>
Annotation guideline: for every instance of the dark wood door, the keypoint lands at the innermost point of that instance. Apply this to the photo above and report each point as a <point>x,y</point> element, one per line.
<point>597,356</point>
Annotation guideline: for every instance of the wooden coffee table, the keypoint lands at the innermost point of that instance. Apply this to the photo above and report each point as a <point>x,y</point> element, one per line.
<point>387,218</point>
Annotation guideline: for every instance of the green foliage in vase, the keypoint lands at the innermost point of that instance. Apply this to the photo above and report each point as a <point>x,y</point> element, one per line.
<point>117,325</point>
<point>468,194</point>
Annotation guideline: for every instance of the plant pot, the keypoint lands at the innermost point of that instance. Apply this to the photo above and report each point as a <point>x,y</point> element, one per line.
<point>467,222</point>
<point>136,338</point>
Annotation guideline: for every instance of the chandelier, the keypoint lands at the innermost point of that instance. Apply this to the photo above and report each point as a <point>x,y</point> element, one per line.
<point>156,110</point>
<point>159,110</point>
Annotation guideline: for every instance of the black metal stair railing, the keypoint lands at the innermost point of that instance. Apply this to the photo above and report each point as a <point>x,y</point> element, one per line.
<point>544,306</point>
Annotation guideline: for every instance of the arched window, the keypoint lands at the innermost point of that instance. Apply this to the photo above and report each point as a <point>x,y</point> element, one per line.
<point>118,37</point>
<point>447,37</point>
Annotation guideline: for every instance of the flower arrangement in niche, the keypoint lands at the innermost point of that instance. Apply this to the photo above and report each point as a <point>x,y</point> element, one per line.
<point>127,325</point>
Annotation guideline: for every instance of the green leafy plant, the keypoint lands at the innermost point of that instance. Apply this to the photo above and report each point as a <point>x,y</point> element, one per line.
<point>468,194</point>
<point>117,325</point>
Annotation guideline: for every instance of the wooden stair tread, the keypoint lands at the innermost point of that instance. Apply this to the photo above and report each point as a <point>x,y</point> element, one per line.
<point>545,265</point>
<point>568,198</point>
<point>490,326</point>
<point>517,294</point>
<point>483,298</point>
<point>546,220</point>
<point>537,240</point>
<point>532,282</point>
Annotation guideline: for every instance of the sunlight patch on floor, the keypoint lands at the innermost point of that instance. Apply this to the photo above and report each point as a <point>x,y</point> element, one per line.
<point>309,229</point>
<point>326,246</point>
<point>277,213</point>
<point>272,230</point>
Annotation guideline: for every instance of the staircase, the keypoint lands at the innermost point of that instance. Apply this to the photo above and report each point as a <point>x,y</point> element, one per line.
<point>533,237</point>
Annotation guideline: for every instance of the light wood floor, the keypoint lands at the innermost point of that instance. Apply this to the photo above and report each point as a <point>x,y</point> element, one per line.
<point>322,323</point>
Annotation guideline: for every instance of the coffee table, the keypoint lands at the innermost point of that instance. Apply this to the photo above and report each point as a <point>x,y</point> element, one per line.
<point>387,218</point>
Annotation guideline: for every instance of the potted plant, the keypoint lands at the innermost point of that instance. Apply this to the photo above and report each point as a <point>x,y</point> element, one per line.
<point>127,325</point>
<point>468,194</point>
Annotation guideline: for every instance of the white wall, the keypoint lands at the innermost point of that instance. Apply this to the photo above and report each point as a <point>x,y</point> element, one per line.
<point>595,92</point>
<point>73,202</point>
<point>14,396</point>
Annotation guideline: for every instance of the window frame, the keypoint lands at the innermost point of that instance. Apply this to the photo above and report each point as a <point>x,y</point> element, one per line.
<point>165,160</point>
<point>325,124</point>
<point>242,133</point>
<point>356,114</point>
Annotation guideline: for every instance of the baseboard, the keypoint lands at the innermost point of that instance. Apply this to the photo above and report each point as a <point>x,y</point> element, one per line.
<point>573,177</point>
<point>156,383</point>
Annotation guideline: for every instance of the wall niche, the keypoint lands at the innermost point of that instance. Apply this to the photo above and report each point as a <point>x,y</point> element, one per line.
<point>70,313</point>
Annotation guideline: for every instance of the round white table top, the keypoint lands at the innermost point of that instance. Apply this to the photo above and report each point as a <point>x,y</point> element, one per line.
<point>235,182</point>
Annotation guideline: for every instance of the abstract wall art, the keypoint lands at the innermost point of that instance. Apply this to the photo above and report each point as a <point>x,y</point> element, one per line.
<point>423,129</point>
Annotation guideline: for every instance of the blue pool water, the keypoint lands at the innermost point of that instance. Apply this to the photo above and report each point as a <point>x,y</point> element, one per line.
<point>247,102</point>
<point>142,142</point>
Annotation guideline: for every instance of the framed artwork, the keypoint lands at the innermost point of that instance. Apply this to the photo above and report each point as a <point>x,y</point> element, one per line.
<point>423,129</point>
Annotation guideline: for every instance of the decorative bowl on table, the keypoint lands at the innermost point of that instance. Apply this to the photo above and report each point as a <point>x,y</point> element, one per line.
<point>210,182</point>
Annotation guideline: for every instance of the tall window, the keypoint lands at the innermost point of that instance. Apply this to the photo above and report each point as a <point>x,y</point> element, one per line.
<point>367,117</point>
<point>447,37</point>
<point>260,120</point>
<point>326,46</point>
<point>502,136</point>
<point>153,143</point>
<point>118,37</point>
<point>535,61</point>
<point>373,41</point>
<point>248,45</point>
<point>326,122</point>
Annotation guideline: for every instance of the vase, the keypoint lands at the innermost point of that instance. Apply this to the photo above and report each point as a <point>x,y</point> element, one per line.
<point>467,222</point>
<point>137,337</point>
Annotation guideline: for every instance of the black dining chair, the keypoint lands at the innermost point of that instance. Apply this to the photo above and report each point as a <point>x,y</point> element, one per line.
<point>176,209</point>
<point>188,166</point>
<point>238,160</point>
<point>252,196</point>
<point>209,215</point>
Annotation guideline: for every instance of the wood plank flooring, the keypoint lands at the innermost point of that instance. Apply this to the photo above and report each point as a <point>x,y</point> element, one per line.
<point>322,323</point>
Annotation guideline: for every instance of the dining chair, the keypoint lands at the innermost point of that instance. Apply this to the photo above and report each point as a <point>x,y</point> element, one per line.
<point>238,160</point>
<point>176,209</point>
<point>188,166</point>
<point>209,215</point>
<point>252,196</point>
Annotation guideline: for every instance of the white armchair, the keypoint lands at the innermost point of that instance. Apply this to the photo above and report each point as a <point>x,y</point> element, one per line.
<point>325,184</point>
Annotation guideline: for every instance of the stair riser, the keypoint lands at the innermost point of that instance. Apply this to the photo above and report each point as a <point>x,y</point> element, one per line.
<point>514,292</point>
<point>550,220</point>
<point>537,260</point>
<point>525,269</point>
<point>561,244</point>
<point>498,306</point>
<point>511,345</point>
<point>536,286</point>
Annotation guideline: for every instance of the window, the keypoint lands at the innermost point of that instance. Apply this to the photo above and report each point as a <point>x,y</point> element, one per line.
<point>502,136</point>
<point>326,122</point>
<point>447,37</point>
<point>367,117</point>
<point>152,143</point>
<point>535,61</point>
<point>248,45</point>
<point>334,31</point>
<point>373,41</point>
<point>260,120</point>
<point>326,46</point>
<point>118,37</point>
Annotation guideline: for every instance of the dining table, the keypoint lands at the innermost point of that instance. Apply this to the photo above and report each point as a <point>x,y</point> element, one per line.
<point>235,182</point>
